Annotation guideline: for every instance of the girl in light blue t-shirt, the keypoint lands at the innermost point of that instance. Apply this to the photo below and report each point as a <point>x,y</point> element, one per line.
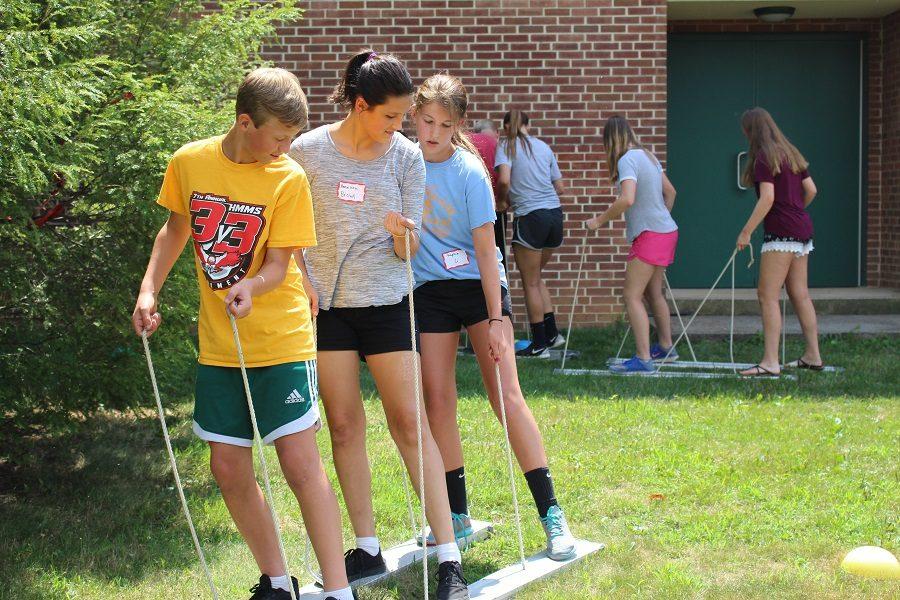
<point>461,283</point>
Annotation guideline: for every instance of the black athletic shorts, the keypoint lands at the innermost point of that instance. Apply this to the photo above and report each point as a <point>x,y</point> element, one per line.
<point>539,229</point>
<point>368,330</point>
<point>445,306</point>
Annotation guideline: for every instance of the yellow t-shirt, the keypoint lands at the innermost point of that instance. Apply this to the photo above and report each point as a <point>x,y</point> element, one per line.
<point>236,212</point>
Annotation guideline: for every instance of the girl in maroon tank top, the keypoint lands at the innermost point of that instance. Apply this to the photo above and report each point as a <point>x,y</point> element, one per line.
<point>784,189</point>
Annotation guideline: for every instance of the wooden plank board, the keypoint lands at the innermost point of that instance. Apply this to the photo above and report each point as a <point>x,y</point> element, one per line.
<point>402,556</point>
<point>505,583</point>
<point>669,374</point>
<point>713,365</point>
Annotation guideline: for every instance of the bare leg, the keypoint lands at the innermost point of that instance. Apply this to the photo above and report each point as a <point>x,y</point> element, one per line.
<point>773,269</point>
<point>305,474</point>
<point>339,389</point>
<point>529,263</point>
<point>524,435</point>
<point>232,468</point>
<point>657,301</point>
<point>393,378</point>
<point>439,381</point>
<point>806,313</point>
<point>637,277</point>
<point>546,255</point>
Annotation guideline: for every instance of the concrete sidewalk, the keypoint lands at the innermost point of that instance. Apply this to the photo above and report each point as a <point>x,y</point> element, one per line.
<point>714,325</point>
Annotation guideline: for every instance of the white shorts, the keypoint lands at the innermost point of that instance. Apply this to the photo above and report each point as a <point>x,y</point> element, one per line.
<point>800,248</point>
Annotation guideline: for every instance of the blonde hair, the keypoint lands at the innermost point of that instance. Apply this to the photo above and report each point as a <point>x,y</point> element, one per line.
<point>272,92</point>
<point>513,122</point>
<point>450,93</point>
<point>619,138</point>
<point>767,142</point>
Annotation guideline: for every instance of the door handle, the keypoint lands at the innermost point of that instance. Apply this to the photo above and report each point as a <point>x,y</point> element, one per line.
<point>740,187</point>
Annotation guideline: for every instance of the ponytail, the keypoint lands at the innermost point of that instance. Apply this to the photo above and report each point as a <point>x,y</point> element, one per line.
<point>374,77</point>
<point>513,122</point>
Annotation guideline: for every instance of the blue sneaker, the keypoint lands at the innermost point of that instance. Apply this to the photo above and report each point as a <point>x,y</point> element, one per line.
<point>657,352</point>
<point>462,529</point>
<point>560,543</point>
<point>633,365</point>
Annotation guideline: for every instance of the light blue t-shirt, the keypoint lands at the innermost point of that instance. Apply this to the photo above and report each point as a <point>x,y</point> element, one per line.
<point>458,199</point>
<point>649,212</point>
<point>531,176</point>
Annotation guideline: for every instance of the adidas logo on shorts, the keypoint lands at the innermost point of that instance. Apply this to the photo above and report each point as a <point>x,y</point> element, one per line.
<point>294,397</point>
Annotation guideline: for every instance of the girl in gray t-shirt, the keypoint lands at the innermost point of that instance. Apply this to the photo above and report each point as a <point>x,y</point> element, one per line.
<point>646,197</point>
<point>368,190</point>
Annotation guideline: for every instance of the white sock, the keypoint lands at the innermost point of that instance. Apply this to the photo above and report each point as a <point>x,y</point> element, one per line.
<point>342,594</point>
<point>281,583</point>
<point>447,552</point>
<point>369,544</point>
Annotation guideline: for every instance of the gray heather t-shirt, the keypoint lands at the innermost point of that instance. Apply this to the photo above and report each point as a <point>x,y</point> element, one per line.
<point>354,264</point>
<point>649,212</point>
<point>531,176</point>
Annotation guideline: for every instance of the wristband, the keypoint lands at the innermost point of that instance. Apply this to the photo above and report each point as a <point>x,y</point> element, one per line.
<point>263,279</point>
<point>492,320</point>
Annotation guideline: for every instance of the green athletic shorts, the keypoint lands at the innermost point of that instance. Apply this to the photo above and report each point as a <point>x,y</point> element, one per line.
<point>285,399</point>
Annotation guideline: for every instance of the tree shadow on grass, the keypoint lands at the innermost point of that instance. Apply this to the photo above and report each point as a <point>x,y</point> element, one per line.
<point>98,500</point>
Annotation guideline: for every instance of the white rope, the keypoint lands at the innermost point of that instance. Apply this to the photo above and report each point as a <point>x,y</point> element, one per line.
<point>178,486</point>
<point>624,338</point>
<point>731,325</point>
<point>415,360</point>
<point>783,324</point>
<point>702,302</point>
<point>306,544</point>
<point>687,338</point>
<point>512,475</point>
<point>574,301</point>
<point>257,441</point>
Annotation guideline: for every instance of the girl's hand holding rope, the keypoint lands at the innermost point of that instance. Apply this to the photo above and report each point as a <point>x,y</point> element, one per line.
<point>743,240</point>
<point>496,339</point>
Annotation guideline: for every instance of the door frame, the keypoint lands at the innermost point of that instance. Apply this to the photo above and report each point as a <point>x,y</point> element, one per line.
<point>862,134</point>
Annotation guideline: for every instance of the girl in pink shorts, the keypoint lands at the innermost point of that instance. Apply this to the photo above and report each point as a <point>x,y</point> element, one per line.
<point>646,196</point>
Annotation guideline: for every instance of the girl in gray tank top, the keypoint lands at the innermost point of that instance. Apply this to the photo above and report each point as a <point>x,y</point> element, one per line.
<point>646,197</point>
<point>368,189</point>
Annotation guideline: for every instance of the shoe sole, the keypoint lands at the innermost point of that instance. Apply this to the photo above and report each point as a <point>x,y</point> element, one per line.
<point>368,573</point>
<point>562,557</point>
<point>432,543</point>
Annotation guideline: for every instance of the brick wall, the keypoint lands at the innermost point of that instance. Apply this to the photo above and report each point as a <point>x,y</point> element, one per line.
<point>568,63</point>
<point>890,232</point>
<point>878,219</point>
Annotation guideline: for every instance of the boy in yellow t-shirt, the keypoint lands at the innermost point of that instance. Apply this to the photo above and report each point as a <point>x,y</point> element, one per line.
<point>246,207</point>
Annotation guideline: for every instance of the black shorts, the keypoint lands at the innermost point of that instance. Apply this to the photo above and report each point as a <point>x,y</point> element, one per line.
<point>539,229</point>
<point>445,306</point>
<point>367,330</point>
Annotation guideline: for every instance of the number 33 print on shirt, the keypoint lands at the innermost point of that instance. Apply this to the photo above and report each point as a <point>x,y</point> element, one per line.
<point>225,235</point>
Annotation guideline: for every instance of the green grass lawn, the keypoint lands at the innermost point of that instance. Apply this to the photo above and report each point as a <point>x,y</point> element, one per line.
<point>764,485</point>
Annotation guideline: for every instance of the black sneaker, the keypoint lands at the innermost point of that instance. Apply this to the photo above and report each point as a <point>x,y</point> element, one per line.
<point>264,590</point>
<point>333,598</point>
<point>360,564</point>
<point>534,351</point>
<point>451,585</point>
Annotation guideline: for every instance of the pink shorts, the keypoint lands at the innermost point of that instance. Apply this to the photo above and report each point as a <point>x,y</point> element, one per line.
<point>653,248</point>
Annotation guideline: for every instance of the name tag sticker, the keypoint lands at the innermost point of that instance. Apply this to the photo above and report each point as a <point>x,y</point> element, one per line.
<point>455,259</point>
<point>352,192</point>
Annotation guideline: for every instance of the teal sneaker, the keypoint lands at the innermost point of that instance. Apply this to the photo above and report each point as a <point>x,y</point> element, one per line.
<point>560,543</point>
<point>462,529</point>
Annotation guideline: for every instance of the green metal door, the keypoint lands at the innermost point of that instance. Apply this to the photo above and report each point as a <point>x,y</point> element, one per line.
<point>811,85</point>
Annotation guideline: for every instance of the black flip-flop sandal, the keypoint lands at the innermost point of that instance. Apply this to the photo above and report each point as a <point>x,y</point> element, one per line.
<point>760,372</point>
<point>802,364</point>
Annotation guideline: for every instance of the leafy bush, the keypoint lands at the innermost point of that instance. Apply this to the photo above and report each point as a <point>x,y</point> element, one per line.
<point>94,98</point>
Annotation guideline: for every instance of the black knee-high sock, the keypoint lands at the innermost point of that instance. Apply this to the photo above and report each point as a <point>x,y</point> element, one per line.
<point>550,326</point>
<point>456,491</point>
<point>538,334</point>
<point>541,485</point>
